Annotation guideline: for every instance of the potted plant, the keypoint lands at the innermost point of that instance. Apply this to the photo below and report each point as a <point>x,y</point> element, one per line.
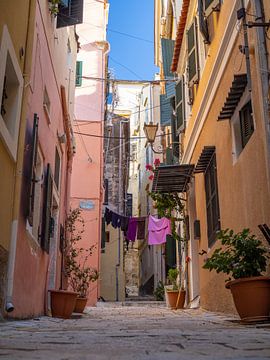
<point>79,274</point>
<point>244,258</point>
<point>175,294</point>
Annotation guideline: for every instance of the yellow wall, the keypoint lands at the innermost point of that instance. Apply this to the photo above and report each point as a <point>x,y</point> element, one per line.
<point>242,185</point>
<point>109,259</point>
<point>16,20</point>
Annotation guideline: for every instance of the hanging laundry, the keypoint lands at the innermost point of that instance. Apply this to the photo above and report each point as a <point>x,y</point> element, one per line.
<point>108,216</point>
<point>132,229</point>
<point>124,223</point>
<point>116,220</point>
<point>141,228</point>
<point>158,230</point>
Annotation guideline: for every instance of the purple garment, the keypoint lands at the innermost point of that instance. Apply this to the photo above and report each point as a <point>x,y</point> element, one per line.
<point>132,229</point>
<point>158,230</point>
<point>116,220</point>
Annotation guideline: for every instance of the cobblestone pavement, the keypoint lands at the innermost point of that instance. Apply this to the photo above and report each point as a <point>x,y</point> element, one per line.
<point>134,332</point>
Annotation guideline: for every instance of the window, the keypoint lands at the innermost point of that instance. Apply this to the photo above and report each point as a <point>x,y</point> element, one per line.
<point>242,125</point>
<point>79,73</point>
<point>246,123</point>
<point>193,71</point>
<point>180,105</point>
<point>57,168</point>
<point>11,87</point>
<point>70,12</point>
<point>46,105</point>
<point>212,202</point>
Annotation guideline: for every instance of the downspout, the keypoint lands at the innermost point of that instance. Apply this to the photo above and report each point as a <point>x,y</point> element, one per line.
<point>9,307</point>
<point>103,99</point>
<point>264,75</point>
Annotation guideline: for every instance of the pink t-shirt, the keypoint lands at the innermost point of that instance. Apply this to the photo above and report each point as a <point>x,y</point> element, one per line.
<point>157,230</point>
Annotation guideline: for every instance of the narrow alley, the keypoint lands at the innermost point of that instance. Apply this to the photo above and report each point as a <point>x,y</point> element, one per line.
<point>140,331</point>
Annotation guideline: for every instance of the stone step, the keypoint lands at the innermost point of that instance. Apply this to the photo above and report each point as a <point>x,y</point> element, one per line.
<point>115,304</point>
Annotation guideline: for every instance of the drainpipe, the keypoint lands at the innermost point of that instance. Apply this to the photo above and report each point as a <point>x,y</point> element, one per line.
<point>9,307</point>
<point>264,75</point>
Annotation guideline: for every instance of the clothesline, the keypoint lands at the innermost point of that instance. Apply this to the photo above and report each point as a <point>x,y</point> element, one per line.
<point>135,227</point>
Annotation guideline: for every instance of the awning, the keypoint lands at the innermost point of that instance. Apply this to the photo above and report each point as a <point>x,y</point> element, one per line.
<point>180,34</point>
<point>236,91</point>
<point>172,178</point>
<point>204,159</point>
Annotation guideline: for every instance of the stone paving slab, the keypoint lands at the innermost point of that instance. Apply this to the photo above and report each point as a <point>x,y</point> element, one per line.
<point>134,332</point>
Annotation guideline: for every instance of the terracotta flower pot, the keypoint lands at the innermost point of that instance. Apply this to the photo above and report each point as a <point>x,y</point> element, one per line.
<point>174,296</point>
<point>62,303</point>
<point>80,305</point>
<point>251,297</point>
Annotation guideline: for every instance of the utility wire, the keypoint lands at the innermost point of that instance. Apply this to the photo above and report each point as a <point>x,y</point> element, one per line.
<point>125,67</point>
<point>127,81</point>
<point>116,137</point>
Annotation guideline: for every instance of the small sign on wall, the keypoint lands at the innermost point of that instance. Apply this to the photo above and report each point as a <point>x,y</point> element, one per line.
<point>87,205</point>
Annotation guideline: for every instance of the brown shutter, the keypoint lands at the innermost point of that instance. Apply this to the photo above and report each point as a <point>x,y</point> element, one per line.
<point>33,165</point>
<point>45,238</point>
<point>246,123</point>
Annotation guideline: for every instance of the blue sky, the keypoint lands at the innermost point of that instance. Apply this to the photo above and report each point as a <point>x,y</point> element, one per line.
<point>131,58</point>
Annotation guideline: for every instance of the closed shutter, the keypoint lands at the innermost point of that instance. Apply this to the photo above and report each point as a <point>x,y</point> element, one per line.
<point>203,27</point>
<point>70,14</point>
<point>106,191</point>
<point>246,123</point>
<point>33,166</point>
<point>45,239</point>
<point>212,201</point>
<point>79,73</point>
<point>193,73</point>
<point>180,106</point>
<point>170,251</point>
<point>175,137</point>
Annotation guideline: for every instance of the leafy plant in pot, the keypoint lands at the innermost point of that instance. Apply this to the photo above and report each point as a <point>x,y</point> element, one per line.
<point>80,275</point>
<point>244,257</point>
<point>175,293</point>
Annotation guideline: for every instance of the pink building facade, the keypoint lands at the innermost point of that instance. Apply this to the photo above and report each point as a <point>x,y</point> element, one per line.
<point>87,175</point>
<point>47,162</point>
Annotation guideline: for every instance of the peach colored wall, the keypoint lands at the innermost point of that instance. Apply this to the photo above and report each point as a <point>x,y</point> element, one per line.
<point>242,184</point>
<point>87,176</point>
<point>32,263</point>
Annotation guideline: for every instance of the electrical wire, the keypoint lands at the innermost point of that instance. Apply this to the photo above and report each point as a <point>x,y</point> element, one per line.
<point>116,137</point>
<point>125,67</point>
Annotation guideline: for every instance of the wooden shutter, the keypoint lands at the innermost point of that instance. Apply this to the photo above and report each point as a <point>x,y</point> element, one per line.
<point>79,73</point>
<point>193,73</point>
<point>71,14</point>
<point>212,201</point>
<point>45,239</point>
<point>180,105</point>
<point>106,191</point>
<point>246,123</point>
<point>209,6</point>
<point>34,150</point>
<point>203,27</point>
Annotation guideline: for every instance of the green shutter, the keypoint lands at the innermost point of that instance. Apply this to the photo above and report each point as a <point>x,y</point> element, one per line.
<point>193,73</point>
<point>180,106</point>
<point>79,73</point>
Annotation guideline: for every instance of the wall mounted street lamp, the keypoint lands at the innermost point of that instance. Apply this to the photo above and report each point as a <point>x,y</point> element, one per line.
<point>150,131</point>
